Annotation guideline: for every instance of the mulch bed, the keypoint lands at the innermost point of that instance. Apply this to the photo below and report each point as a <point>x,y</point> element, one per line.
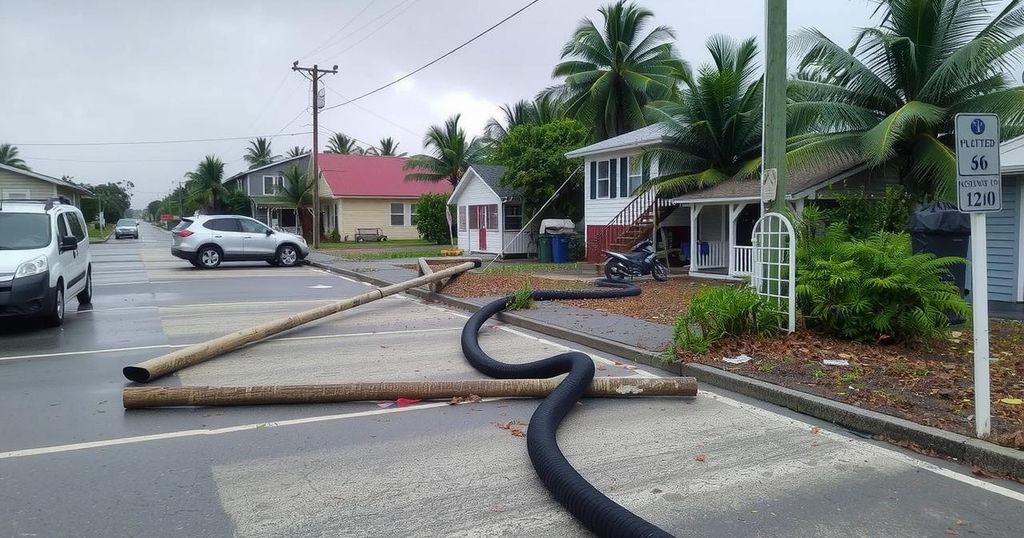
<point>931,386</point>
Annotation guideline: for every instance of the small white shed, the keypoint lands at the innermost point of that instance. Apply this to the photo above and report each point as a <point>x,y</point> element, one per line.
<point>490,217</point>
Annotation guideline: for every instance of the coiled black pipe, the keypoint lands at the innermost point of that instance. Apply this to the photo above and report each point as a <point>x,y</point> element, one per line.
<point>600,514</point>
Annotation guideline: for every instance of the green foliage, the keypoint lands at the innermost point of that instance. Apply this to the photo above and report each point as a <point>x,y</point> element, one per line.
<point>862,289</point>
<point>205,184</point>
<point>388,148</point>
<point>343,144</point>
<point>259,153</point>
<point>577,248</point>
<point>115,198</point>
<point>546,108</point>
<point>610,73</point>
<point>451,154</point>
<point>296,151</point>
<point>431,218</point>
<point>9,156</point>
<point>535,165</point>
<point>720,311</point>
<point>522,299</point>
<point>235,202</point>
<point>863,215</point>
<point>335,236</point>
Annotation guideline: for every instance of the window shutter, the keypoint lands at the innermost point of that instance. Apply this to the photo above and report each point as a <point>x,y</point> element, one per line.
<point>593,180</point>
<point>611,179</point>
<point>646,172</point>
<point>624,177</point>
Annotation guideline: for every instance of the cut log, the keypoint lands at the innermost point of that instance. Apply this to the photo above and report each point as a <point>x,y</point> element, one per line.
<point>146,371</point>
<point>606,387</point>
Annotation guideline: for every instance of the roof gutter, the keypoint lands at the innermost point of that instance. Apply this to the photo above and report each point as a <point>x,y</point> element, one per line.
<point>584,152</point>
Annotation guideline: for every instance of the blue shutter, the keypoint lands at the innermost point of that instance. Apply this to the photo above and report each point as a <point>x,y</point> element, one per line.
<point>611,179</point>
<point>624,177</point>
<point>593,179</point>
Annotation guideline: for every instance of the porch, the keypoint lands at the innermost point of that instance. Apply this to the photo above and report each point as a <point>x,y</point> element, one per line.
<point>719,245</point>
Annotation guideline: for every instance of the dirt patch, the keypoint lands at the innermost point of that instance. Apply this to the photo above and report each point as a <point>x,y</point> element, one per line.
<point>930,386</point>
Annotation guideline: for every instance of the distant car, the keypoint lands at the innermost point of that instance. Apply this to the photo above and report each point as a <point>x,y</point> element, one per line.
<point>370,234</point>
<point>126,228</point>
<point>207,240</point>
<point>44,257</point>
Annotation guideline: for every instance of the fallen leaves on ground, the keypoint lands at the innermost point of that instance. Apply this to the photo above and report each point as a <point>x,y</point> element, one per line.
<point>513,427</point>
<point>700,457</point>
<point>458,400</point>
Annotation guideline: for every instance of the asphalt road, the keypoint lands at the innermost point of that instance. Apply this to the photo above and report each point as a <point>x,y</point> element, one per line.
<point>74,463</point>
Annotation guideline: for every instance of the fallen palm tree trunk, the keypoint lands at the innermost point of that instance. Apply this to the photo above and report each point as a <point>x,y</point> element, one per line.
<point>146,371</point>
<point>141,397</point>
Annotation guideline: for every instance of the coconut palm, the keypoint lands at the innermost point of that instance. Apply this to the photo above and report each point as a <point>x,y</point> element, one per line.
<point>259,153</point>
<point>388,148</point>
<point>611,73</point>
<point>205,185</point>
<point>296,191</point>
<point>546,108</point>
<point>452,153</point>
<point>343,144</point>
<point>891,97</point>
<point>296,151</point>
<point>715,126</point>
<point>9,156</point>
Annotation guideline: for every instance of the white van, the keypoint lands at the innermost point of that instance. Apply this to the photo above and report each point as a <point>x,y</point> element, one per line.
<point>44,258</point>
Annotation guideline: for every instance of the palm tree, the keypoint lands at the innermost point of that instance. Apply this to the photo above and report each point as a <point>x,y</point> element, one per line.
<point>342,144</point>
<point>891,97</point>
<point>546,108</point>
<point>716,125</point>
<point>296,151</point>
<point>613,72</point>
<point>9,156</point>
<point>452,154</point>
<point>259,153</point>
<point>296,191</point>
<point>388,148</point>
<point>204,183</point>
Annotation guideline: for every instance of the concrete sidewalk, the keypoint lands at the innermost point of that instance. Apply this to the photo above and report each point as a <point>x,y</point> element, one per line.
<point>643,342</point>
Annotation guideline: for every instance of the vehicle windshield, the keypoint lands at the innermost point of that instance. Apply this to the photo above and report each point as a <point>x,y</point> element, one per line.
<point>23,231</point>
<point>126,222</point>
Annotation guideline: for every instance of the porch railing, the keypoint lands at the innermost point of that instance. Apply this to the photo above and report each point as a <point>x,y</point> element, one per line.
<point>742,261</point>
<point>711,255</point>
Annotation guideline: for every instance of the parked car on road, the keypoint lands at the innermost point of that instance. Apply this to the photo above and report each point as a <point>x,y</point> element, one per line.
<point>44,257</point>
<point>126,228</point>
<point>207,240</point>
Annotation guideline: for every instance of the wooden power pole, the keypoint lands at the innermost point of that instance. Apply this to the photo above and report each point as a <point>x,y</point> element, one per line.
<point>314,74</point>
<point>774,132</point>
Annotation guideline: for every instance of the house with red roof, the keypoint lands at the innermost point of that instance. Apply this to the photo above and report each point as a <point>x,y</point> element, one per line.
<point>356,191</point>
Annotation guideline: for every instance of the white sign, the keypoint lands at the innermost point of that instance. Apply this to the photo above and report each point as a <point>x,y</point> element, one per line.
<point>769,184</point>
<point>978,180</point>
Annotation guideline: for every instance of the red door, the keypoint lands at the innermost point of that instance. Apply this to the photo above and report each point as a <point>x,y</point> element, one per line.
<point>482,219</point>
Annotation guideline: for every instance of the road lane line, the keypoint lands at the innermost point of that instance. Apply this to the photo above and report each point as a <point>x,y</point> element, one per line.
<point>217,431</point>
<point>270,339</point>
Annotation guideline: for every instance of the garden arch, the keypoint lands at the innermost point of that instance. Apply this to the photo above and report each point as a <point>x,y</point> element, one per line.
<point>774,265</point>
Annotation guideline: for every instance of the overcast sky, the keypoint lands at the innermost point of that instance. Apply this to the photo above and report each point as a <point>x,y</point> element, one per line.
<point>142,70</point>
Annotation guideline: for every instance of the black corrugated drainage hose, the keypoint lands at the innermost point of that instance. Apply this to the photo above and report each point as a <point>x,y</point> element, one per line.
<point>599,513</point>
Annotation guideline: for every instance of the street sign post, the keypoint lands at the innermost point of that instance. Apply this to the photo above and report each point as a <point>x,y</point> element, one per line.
<point>979,191</point>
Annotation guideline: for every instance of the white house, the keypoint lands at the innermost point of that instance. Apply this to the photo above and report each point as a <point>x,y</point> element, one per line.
<point>21,184</point>
<point>490,216</point>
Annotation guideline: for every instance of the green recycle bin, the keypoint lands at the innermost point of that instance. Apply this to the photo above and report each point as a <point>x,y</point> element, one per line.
<point>544,248</point>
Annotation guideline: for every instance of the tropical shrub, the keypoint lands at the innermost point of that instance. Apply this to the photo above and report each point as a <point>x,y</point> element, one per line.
<point>335,236</point>
<point>431,219</point>
<point>577,248</point>
<point>864,215</point>
<point>864,289</point>
<point>719,311</point>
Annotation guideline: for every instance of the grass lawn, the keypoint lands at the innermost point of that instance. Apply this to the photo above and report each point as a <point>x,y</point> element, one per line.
<point>353,245</point>
<point>377,254</point>
<point>99,235</point>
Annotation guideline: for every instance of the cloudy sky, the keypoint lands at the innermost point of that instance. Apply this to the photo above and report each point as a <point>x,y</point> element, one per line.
<point>146,70</point>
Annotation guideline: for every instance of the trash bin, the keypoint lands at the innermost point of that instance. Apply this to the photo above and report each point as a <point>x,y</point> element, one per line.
<point>544,248</point>
<point>560,249</point>
<point>941,229</point>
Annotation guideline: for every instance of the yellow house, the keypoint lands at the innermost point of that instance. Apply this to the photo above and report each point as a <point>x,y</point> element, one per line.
<point>20,184</point>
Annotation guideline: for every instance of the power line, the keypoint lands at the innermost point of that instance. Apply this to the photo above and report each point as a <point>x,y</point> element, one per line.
<point>400,4</point>
<point>110,161</point>
<point>435,60</point>
<point>152,142</point>
<point>377,29</point>
<point>372,113</point>
<point>321,46</point>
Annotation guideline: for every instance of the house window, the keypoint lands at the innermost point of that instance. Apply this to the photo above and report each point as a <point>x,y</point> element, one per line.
<point>474,217</point>
<point>636,173</point>
<point>398,214</point>
<point>412,214</point>
<point>513,217</point>
<point>11,194</point>
<point>602,179</point>
<point>462,218</point>
<point>271,184</point>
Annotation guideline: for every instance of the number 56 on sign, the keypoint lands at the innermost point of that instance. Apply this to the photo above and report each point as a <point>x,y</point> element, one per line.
<point>978,184</point>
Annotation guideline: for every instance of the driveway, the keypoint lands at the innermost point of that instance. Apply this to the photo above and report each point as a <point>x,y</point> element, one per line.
<point>73,462</point>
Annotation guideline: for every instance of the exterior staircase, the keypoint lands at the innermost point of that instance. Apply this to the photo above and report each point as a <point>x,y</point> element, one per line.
<point>633,224</point>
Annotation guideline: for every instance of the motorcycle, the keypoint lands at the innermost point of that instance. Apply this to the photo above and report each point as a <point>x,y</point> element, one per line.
<point>638,262</point>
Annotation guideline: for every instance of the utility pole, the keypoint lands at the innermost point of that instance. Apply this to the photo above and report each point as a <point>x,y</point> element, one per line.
<point>314,73</point>
<point>773,163</point>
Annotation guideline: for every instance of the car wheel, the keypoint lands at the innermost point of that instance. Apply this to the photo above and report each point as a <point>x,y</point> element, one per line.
<point>287,256</point>
<point>85,296</point>
<point>209,257</point>
<point>614,271</point>
<point>55,316</point>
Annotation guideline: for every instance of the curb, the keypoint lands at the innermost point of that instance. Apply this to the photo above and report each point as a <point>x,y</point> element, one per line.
<point>1001,460</point>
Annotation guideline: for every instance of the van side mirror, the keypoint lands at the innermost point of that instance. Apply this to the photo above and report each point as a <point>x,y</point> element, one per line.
<point>68,242</point>
<point>269,232</point>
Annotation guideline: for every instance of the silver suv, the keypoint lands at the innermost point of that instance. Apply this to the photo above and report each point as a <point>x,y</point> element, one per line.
<point>207,240</point>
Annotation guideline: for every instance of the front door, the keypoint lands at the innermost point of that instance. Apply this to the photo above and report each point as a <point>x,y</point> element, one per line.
<point>483,228</point>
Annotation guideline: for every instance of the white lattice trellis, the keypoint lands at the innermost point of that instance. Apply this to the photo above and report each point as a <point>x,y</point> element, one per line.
<point>774,264</point>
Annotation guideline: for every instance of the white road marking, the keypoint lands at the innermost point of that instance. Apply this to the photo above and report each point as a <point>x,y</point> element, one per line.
<point>320,287</point>
<point>271,339</point>
<point>218,431</point>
